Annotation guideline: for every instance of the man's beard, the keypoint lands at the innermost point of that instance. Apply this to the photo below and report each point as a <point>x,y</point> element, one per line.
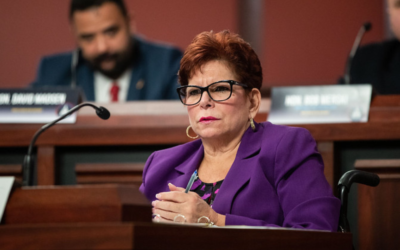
<point>122,62</point>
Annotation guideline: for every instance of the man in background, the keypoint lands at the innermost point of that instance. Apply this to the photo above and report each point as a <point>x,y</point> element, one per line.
<point>111,64</point>
<point>379,63</point>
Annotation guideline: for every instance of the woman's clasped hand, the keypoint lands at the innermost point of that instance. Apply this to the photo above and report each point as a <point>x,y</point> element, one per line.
<point>179,206</point>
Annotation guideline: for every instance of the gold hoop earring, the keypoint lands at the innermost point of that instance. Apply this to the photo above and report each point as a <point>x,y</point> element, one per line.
<point>253,126</point>
<point>187,133</point>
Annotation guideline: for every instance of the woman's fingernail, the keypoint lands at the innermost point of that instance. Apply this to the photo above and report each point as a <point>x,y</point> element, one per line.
<point>158,196</point>
<point>153,203</point>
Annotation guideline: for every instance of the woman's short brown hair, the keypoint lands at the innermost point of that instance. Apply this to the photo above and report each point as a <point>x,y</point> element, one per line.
<point>226,46</point>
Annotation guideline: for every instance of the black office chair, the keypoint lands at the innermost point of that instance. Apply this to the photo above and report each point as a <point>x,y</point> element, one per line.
<point>345,182</point>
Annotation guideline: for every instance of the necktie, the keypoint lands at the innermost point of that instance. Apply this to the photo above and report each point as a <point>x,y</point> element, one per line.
<point>114,90</point>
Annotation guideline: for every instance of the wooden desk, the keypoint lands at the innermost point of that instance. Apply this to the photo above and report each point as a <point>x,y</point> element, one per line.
<point>115,235</point>
<point>378,207</point>
<point>119,217</point>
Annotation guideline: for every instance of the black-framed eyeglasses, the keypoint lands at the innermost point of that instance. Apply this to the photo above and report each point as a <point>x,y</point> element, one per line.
<point>218,91</point>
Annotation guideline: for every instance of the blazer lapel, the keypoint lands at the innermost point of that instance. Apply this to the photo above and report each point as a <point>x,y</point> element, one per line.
<point>85,80</point>
<point>136,91</point>
<point>186,169</point>
<point>241,170</point>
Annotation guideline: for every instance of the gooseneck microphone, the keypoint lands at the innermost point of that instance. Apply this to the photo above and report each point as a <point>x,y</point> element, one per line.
<point>364,28</point>
<point>27,179</point>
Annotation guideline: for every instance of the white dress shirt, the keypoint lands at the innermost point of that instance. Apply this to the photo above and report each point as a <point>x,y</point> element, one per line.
<point>102,86</point>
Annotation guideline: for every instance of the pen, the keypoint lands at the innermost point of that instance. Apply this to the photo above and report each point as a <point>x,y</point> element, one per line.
<point>192,179</point>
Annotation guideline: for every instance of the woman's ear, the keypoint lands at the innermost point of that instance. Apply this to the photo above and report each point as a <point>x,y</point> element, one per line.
<point>255,101</point>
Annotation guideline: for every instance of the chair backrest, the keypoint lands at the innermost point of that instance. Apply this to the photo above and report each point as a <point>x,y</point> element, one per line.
<point>344,185</point>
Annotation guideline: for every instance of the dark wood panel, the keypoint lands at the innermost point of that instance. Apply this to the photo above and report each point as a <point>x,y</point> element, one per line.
<point>378,207</point>
<point>326,150</point>
<point>239,238</point>
<point>12,170</point>
<point>384,168</point>
<point>381,164</point>
<point>78,135</point>
<point>379,217</point>
<point>168,126</point>
<point>67,236</point>
<point>118,173</point>
<point>68,204</point>
<point>153,236</point>
<point>45,165</point>
<point>103,217</point>
<point>385,101</point>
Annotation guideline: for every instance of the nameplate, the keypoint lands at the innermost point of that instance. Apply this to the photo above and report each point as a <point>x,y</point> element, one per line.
<point>320,104</point>
<point>37,106</point>
<point>6,184</point>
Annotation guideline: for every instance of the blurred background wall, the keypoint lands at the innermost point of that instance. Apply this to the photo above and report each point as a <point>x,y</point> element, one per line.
<point>299,42</point>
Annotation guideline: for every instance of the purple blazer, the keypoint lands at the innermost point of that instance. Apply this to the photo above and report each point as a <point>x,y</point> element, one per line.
<point>277,179</point>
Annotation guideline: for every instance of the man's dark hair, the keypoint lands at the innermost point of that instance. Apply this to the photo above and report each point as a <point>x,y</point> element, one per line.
<point>79,5</point>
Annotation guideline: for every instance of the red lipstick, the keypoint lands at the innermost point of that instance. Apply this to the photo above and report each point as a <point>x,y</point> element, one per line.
<point>208,119</point>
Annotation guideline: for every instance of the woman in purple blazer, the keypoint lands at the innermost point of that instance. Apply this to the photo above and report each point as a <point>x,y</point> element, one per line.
<point>248,173</point>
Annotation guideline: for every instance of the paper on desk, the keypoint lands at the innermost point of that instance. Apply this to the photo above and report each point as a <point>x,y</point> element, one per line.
<point>205,225</point>
<point>5,188</point>
<point>184,224</point>
<point>273,228</point>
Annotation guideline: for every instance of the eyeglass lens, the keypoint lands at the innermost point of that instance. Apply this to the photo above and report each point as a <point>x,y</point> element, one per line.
<point>218,91</point>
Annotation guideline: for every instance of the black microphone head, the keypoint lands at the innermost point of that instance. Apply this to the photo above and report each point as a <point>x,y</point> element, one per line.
<point>103,113</point>
<point>367,26</point>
